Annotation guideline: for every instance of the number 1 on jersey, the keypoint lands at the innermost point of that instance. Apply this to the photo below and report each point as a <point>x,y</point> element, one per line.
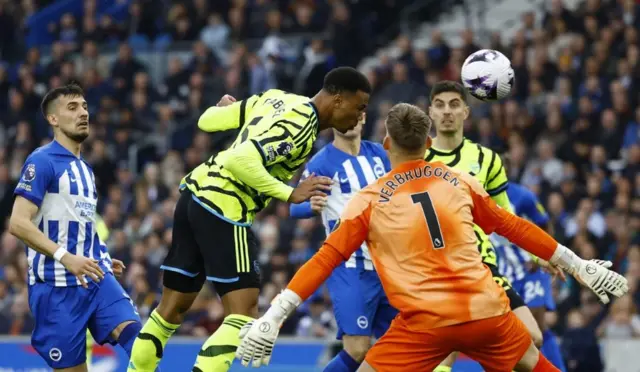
<point>430,216</point>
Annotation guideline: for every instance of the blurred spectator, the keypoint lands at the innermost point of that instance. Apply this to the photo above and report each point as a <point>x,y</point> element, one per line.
<point>570,130</point>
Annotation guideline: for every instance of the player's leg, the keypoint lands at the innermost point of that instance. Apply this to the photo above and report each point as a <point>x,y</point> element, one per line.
<point>230,255</point>
<point>401,349</point>
<point>536,291</point>
<point>61,315</point>
<point>497,343</point>
<point>519,307</point>
<point>447,364</point>
<point>90,342</point>
<point>182,280</point>
<point>115,319</point>
<point>354,317</point>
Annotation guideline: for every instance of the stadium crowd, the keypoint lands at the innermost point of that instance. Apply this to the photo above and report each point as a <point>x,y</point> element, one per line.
<point>570,131</point>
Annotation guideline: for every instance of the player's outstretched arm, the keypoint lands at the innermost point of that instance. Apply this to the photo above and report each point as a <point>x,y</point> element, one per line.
<point>594,275</point>
<point>258,337</point>
<point>226,114</point>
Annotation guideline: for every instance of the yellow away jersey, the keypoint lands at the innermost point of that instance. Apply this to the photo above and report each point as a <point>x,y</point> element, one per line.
<point>283,127</point>
<point>486,166</point>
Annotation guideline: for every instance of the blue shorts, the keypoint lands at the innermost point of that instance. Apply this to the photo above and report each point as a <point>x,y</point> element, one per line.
<point>535,289</point>
<point>63,314</point>
<point>360,305</point>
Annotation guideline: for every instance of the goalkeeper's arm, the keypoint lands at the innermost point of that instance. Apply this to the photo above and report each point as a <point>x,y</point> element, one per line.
<point>490,217</point>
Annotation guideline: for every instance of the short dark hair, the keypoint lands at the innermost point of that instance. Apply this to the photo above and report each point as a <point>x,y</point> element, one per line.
<point>71,89</point>
<point>448,86</point>
<point>408,126</point>
<point>346,79</point>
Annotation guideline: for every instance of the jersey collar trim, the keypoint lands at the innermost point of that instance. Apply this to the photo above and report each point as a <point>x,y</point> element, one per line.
<point>315,112</point>
<point>56,148</point>
<point>446,153</point>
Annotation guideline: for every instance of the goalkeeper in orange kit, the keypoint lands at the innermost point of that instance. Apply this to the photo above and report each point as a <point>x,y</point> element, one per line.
<point>418,222</point>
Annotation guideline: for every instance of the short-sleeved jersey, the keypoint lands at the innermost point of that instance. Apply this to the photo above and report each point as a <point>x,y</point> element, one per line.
<point>418,221</point>
<point>512,260</point>
<point>487,168</point>
<point>350,174</point>
<point>282,126</point>
<point>63,187</point>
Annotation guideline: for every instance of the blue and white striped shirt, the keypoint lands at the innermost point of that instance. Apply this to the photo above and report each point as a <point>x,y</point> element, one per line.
<point>63,187</point>
<point>512,260</point>
<point>350,174</point>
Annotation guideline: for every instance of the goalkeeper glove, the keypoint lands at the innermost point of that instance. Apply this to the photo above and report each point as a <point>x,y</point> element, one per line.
<point>259,336</point>
<point>593,274</point>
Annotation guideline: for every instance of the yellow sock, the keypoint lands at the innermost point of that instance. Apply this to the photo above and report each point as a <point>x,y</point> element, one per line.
<point>89,349</point>
<point>149,345</point>
<point>442,369</point>
<point>218,351</point>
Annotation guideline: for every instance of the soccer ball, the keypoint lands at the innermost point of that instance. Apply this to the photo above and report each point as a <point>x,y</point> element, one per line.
<point>488,75</point>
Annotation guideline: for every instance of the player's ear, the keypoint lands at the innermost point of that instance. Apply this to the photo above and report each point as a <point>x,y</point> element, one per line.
<point>429,142</point>
<point>52,119</point>
<point>466,111</point>
<point>337,100</point>
<point>386,143</point>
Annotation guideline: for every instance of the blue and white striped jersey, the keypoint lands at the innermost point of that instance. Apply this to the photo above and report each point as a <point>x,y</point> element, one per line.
<point>63,187</point>
<point>350,174</point>
<point>512,259</point>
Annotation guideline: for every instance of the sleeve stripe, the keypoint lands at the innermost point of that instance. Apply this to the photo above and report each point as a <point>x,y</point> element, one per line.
<point>301,113</point>
<point>304,135</point>
<point>288,122</point>
<point>264,159</point>
<point>493,159</point>
<point>243,109</point>
<point>498,189</point>
<point>281,137</point>
<point>496,175</point>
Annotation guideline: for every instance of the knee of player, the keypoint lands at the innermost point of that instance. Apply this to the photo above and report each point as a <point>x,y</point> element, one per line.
<point>357,346</point>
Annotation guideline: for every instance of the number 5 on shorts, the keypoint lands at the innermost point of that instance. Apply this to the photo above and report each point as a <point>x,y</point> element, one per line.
<point>430,216</point>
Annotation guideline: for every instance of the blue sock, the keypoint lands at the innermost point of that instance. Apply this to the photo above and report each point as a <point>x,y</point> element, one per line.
<point>551,350</point>
<point>343,362</point>
<point>128,336</point>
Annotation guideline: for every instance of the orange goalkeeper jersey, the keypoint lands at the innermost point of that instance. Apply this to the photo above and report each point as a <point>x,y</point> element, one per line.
<point>418,223</point>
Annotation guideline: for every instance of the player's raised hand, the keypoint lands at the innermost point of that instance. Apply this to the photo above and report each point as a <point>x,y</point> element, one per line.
<point>80,266</point>
<point>257,340</point>
<point>118,267</point>
<point>595,275</point>
<point>226,100</point>
<point>311,186</point>
<point>318,203</point>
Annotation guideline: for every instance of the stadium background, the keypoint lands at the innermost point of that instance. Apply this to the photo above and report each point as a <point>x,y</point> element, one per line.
<point>570,132</point>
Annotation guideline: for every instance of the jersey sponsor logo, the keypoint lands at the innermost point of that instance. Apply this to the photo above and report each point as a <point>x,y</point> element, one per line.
<point>29,173</point>
<point>474,168</point>
<point>55,354</point>
<point>362,322</point>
